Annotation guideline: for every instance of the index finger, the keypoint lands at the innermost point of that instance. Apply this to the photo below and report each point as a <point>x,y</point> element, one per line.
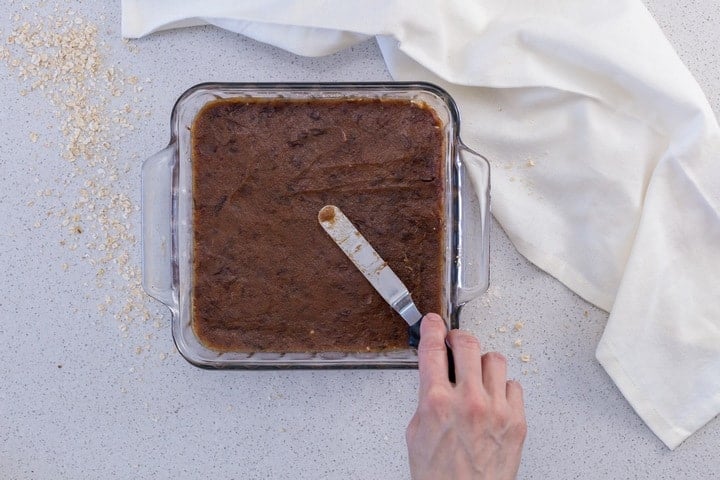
<point>432,352</point>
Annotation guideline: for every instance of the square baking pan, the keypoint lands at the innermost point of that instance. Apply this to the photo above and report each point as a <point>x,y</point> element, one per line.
<point>169,213</point>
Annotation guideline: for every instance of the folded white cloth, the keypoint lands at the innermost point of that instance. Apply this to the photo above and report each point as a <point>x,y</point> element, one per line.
<point>604,150</point>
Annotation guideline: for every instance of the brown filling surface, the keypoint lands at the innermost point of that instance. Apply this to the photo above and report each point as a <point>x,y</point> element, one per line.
<point>266,275</point>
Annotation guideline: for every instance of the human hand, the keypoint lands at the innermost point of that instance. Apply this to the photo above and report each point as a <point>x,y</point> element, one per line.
<point>472,429</point>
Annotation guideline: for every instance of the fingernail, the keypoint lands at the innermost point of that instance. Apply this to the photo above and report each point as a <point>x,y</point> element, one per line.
<point>433,317</point>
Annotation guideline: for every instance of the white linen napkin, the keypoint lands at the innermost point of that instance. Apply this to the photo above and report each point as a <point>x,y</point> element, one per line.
<point>604,151</point>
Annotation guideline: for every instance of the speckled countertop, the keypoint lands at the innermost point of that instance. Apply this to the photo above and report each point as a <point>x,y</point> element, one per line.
<point>91,384</point>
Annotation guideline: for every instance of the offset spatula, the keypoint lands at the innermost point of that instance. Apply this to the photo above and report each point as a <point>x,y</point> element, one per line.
<point>376,271</point>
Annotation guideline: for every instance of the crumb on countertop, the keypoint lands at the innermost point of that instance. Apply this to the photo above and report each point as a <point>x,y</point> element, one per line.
<point>61,58</point>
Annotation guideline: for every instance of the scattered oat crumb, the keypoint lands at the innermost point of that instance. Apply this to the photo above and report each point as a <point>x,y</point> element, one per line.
<point>490,294</point>
<point>163,356</point>
<point>65,267</point>
<point>502,329</point>
<point>60,58</point>
<point>518,326</point>
<point>138,350</point>
<point>525,357</point>
<point>586,313</point>
<point>518,342</point>
<point>530,163</point>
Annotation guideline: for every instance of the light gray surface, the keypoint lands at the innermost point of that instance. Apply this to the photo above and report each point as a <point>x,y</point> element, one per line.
<point>78,401</point>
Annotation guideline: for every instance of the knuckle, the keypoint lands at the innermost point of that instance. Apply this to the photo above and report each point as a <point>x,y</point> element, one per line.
<point>476,407</point>
<point>518,429</point>
<point>501,418</point>
<point>435,402</point>
<point>463,339</point>
<point>431,344</point>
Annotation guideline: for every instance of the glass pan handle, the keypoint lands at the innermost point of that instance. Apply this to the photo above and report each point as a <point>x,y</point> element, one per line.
<point>474,238</point>
<point>157,230</point>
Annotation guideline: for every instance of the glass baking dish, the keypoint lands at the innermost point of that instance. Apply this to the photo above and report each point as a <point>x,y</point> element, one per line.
<point>167,216</point>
